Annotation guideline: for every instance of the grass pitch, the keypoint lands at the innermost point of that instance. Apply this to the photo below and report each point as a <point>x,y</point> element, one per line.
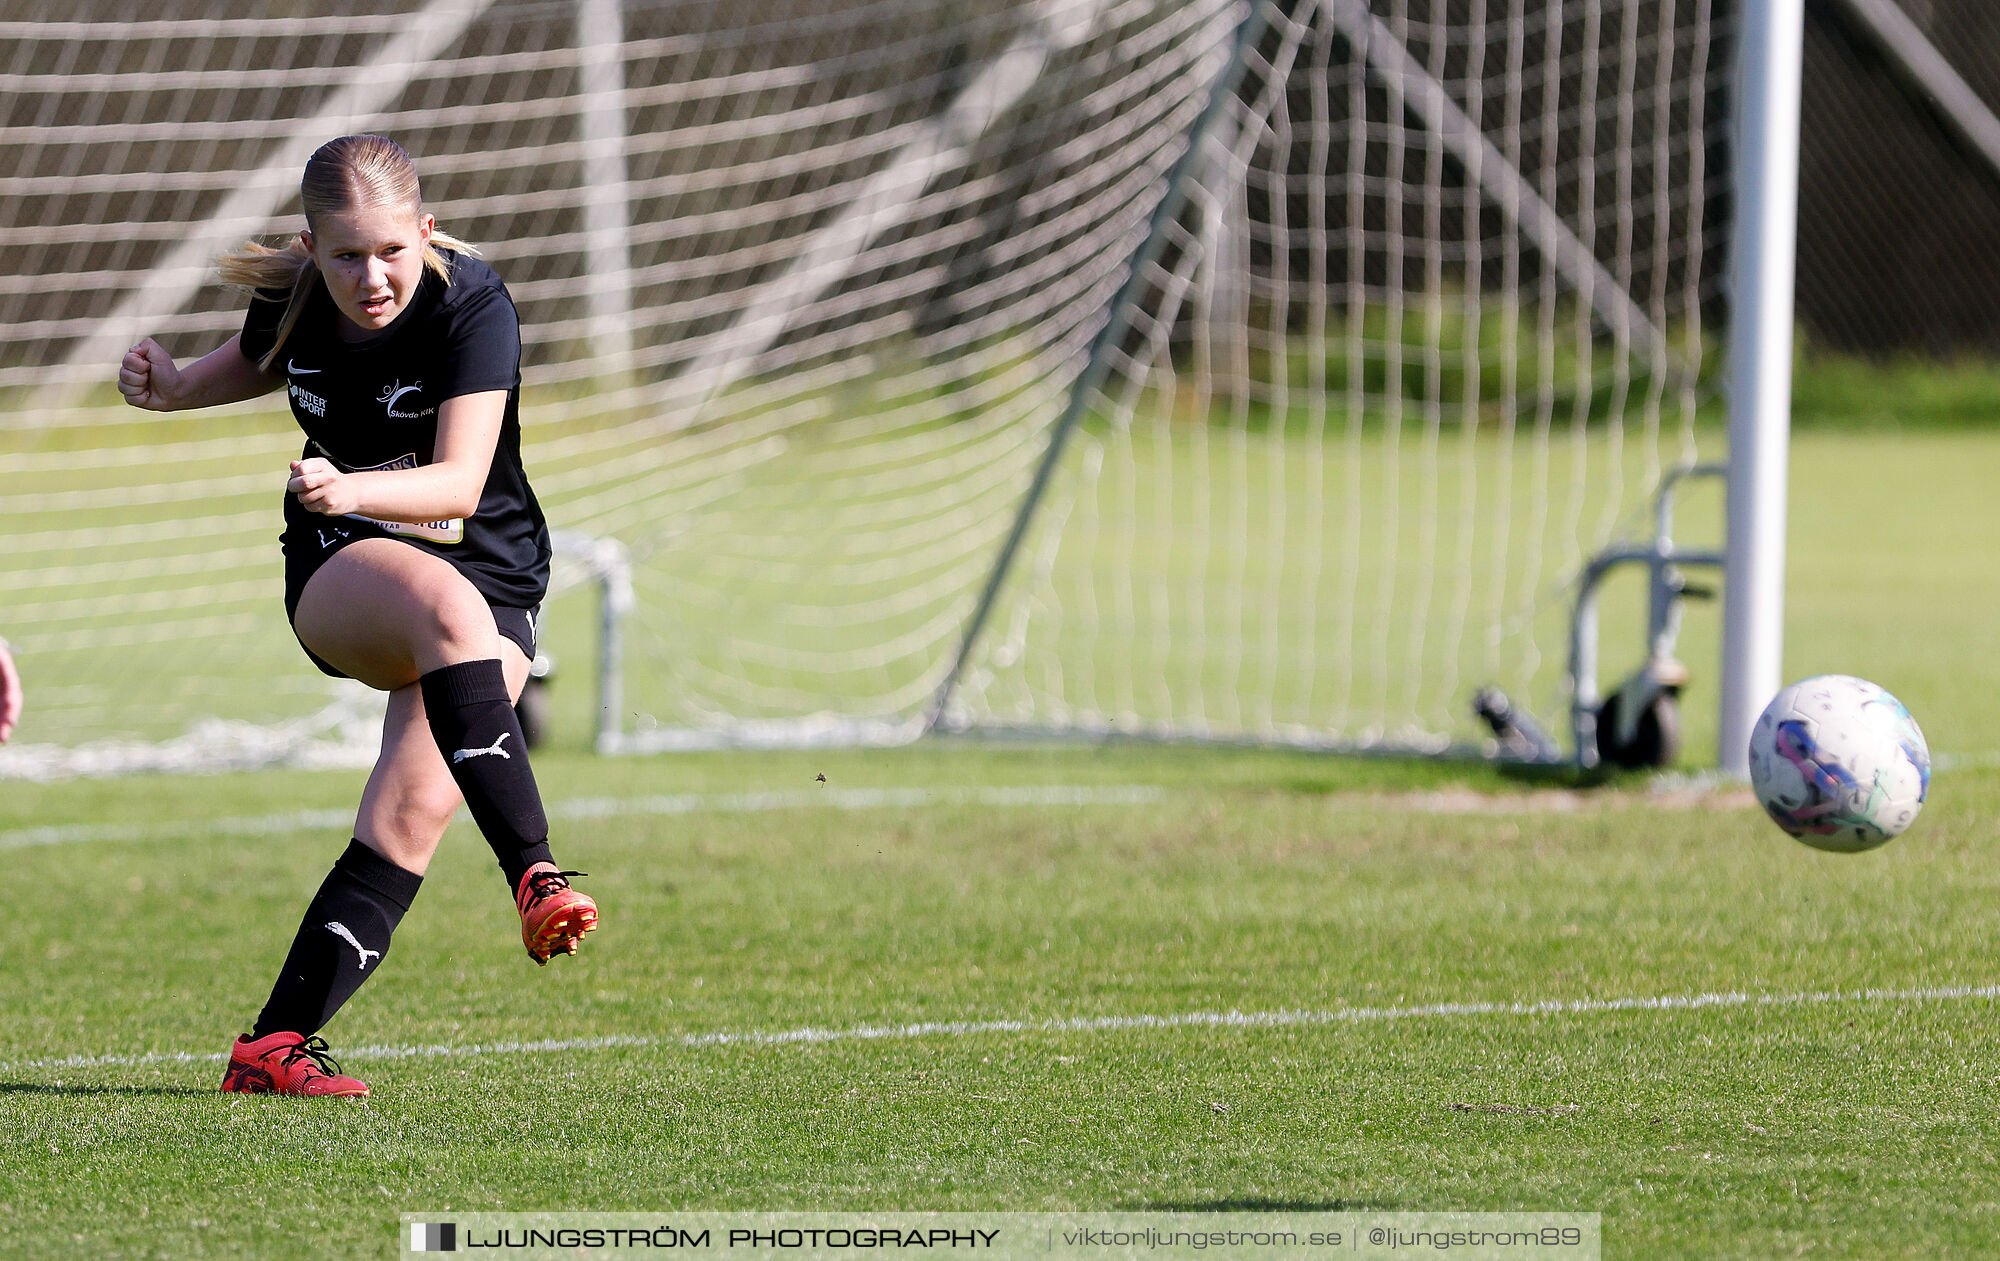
<point>942,999</point>
<point>1121,978</point>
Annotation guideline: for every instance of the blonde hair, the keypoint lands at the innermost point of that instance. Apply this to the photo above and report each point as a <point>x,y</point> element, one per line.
<point>343,174</point>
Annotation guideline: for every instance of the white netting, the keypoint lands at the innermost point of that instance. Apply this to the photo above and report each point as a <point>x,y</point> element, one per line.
<point>805,287</point>
<point>1427,340</point>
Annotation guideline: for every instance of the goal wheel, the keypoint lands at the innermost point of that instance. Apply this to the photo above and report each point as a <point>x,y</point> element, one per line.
<point>1655,740</point>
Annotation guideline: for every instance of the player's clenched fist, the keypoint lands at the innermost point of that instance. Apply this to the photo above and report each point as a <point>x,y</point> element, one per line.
<point>321,487</point>
<point>148,377</point>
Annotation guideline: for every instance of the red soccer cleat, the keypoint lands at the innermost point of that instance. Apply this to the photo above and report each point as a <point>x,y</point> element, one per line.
<point>287,1064</point>
<point>554,917</point>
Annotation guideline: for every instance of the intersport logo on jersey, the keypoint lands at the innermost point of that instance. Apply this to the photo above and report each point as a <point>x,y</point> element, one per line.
<point>312,403</point>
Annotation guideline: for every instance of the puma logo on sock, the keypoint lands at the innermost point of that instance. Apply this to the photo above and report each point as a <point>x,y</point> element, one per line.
<point>463,754</point>
<point>340,930</point>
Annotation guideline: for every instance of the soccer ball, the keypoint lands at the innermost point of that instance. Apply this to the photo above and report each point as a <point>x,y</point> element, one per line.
<point>1839,763</point>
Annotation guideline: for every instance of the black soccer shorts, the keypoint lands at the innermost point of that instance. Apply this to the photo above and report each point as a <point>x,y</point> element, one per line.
<point>302,562</point>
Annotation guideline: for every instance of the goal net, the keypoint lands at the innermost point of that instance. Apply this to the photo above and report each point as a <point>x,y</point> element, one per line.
<point>1209,369</point>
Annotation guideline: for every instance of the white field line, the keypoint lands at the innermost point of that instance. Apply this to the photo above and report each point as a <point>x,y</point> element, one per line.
<point>607,807</point>
<point>1085,1024</point>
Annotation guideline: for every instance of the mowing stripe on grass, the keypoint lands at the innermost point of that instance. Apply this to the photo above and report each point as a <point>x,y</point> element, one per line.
<point>608,807</point>
<point>1671,792</point>
<point>1081,1024</point>
<point>1965,761</point>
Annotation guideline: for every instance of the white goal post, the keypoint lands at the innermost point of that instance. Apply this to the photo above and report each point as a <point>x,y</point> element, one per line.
<point>1760,397</point>
<point>1261,371</point>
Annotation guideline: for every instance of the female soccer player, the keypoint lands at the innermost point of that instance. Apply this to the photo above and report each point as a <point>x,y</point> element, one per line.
<point>416,558</point>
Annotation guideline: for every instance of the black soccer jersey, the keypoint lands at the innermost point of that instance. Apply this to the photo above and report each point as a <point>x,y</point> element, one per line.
<point>373,404</point>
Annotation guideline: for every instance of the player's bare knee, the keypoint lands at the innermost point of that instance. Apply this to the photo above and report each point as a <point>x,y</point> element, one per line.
<point>462,627</point>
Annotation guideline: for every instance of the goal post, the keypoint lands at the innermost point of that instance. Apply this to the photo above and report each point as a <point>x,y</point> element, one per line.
<point>1261,371</point>
<point>1760,392</point>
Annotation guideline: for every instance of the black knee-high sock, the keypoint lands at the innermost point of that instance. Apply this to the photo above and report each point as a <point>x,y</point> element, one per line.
<point>477,730</point>
<point>341,941</point>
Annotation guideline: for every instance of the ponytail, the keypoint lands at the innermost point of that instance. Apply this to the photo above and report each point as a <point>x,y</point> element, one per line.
<point>259,267</point>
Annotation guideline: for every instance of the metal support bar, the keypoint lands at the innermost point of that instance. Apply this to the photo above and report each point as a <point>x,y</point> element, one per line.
<point>1250,29</point>
<point>588,558</point>
<point>1663,562</point>
<point>614,604</point>
<point>600,32</point>
<point>370,89</point>
<point>883,201</point>
<point>1487,168</point>
<point>1926,70</point>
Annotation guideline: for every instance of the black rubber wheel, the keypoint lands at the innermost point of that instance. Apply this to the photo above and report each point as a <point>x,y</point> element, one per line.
<point>533,711</point>
<point>1656,739</point>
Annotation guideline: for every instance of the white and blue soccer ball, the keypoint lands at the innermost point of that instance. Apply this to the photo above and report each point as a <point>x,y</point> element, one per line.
<point>1839,763</point>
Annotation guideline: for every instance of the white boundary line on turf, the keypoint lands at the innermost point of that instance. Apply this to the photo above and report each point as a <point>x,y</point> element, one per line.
<point>608,807</point>
<point>1082,1024</point>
